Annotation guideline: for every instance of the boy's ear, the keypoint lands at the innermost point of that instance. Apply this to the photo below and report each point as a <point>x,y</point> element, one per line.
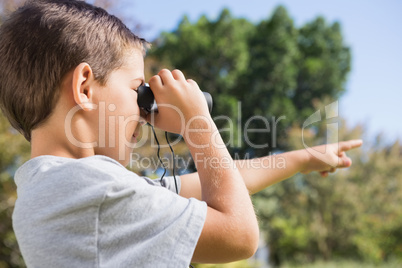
<point>83,79</point>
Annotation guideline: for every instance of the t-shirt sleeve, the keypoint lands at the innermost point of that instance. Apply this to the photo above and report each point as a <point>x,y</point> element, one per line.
<point>142,225</point>
<point>169,182</point>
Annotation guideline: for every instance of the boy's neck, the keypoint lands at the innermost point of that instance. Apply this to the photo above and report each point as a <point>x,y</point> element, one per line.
<point>44,142</point>
<point>52,138</point>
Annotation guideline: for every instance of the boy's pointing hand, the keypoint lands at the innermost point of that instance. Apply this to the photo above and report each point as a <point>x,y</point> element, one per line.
<point>329,157</point>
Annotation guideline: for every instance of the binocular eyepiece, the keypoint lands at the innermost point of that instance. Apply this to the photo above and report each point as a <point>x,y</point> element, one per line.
<point>146,99</point>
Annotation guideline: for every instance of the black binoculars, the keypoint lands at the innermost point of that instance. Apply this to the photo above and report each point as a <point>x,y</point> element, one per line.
<point>146,99</point>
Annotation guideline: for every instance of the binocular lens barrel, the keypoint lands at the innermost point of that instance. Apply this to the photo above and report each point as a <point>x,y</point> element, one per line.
<point>146,99</point>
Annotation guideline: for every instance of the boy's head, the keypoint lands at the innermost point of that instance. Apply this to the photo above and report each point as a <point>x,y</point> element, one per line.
<point>44,40</point>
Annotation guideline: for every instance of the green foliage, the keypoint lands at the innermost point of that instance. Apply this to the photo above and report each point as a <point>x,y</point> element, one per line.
<point>354,214</point>
<point>323,65</point>
<point>214,53</point>
<point>272,67</point>
<point>380,233</point>
<point>14,151</point>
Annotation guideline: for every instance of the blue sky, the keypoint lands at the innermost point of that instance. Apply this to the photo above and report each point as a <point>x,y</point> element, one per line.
<point>373,30</point>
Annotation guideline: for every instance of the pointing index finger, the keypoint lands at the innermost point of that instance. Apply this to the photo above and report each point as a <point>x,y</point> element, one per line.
<point>351,144</point>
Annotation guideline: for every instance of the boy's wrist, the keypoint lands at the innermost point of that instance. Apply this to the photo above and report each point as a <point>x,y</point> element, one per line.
<point>199,131</point>
<point>206,145</point>
<point>304,159</point>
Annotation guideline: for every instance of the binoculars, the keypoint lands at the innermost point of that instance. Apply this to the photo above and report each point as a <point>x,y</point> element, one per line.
<point>146,99</point>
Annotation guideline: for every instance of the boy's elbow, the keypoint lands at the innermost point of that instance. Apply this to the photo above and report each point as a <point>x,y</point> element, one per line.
<point>254,243</point>
<point>227,238</point>
<point>248,243</point>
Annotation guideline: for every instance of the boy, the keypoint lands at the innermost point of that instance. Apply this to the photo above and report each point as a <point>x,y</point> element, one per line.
<point>69,74</point>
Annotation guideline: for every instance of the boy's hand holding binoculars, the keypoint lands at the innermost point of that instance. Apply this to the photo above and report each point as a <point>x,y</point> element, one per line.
<point>180,102</point>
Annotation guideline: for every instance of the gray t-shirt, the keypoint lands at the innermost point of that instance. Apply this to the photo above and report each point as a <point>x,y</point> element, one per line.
<point>93,212</point>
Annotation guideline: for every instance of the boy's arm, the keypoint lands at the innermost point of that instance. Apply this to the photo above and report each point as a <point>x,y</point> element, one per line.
<point>230,231</point>
<point>262,172</point>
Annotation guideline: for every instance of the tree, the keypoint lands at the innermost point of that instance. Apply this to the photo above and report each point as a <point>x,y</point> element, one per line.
<point>323,66</point>
<point>271,78</point>
<point>273,68</point>
<point>213,53</point>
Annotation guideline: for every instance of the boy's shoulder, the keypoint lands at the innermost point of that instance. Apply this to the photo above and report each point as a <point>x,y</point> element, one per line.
<point>93,177</point>
<point>97,174</point>
<point>55,168</point>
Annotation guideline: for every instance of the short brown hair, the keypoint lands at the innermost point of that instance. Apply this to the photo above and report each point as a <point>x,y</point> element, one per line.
<point>45,39</point>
